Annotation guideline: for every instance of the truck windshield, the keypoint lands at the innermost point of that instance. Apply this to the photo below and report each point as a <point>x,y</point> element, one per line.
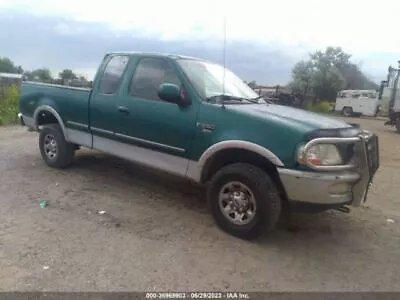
<point>207,78</point>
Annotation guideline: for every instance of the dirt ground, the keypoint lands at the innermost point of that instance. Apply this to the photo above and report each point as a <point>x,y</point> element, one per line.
<point>156,233</point>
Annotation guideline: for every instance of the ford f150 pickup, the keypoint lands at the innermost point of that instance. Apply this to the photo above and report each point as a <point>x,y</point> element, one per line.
<point>197,120</point>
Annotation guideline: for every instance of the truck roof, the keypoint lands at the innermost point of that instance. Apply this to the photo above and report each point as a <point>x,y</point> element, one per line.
<point>156,54</point>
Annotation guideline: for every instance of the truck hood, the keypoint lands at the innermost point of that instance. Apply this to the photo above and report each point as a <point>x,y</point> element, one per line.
<point>292,116</point>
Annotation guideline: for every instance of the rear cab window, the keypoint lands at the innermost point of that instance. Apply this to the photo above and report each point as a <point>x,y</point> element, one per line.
<point>112,76</point>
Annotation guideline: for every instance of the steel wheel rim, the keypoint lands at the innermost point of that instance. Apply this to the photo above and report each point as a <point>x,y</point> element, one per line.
<point>237,203</point>
<point>50,146</point>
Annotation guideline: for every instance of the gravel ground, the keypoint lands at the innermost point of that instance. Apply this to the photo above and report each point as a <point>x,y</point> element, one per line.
<point>156,233</point>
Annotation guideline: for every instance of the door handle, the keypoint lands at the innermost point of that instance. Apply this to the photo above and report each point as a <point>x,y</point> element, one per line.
<point>123,109</point>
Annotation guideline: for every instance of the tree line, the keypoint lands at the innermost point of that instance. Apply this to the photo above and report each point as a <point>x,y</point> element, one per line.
<point>327,72</point>
<point>66,76</point>
<point>320,77</point>
<point>323,74</point>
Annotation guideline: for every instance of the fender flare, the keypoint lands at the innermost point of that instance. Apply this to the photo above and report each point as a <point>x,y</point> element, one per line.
<point>54,113</point>
<point>195,169</point>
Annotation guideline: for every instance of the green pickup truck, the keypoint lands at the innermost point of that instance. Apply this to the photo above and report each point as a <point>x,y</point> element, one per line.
<point>197,120</point>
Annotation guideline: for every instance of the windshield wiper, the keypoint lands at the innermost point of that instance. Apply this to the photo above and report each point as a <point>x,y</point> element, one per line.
<point>259,97</point>
<point>222,97</point>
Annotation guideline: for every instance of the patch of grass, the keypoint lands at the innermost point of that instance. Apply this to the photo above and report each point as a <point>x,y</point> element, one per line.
<point>9,105</point>
<point>321,107</point>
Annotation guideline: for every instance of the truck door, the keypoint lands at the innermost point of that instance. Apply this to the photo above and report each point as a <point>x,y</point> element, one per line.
<point>148,121</point>
<point>104,118</point>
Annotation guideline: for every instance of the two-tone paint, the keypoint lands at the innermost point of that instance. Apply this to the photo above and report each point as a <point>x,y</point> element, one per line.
<point>181,139</point>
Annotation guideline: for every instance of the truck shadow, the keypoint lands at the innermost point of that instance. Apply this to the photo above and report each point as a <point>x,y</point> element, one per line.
<point>309,228</point>
<point>125,174</point>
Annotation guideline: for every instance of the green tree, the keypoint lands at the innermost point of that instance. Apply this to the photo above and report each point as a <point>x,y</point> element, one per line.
<point>28,75</point>
<point>82,78</point>
<point>252,84</point>
<point>67,74</point>
<point>327,82</point>
<point>302,77</point>
<point>43,75</point>
<point>20,70</point>
<point>353,77</point>
<point>7,65</point>
<point>327,72</point>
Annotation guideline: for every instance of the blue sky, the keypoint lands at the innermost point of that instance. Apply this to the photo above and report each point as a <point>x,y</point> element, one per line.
<point>264,39</point>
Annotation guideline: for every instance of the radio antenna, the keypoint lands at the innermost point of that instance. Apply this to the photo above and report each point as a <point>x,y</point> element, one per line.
<point>224,59</point>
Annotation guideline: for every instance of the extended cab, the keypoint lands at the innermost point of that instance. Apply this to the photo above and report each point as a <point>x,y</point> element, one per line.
<point>198,120</point>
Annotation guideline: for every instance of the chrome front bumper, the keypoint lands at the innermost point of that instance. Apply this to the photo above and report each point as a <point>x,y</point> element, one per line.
<point>335,185</point>
<point>318,188</point>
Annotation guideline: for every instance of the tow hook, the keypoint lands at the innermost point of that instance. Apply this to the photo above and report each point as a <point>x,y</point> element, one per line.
<point>344,209</point>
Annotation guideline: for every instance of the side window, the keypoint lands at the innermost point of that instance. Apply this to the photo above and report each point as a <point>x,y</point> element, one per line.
<point>150,73</point>
<point>112,75</point>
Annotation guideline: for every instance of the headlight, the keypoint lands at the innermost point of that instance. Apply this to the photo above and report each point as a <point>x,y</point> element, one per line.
<point>320,155</point>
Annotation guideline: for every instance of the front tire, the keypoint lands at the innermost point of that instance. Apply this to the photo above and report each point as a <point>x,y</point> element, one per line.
<point>244,200</point>
<point>55,150</point>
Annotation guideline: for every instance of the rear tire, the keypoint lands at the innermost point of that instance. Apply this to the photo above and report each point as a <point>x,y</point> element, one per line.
<point>261,198</point>
<point>347,111</point>
<point>55,150</point>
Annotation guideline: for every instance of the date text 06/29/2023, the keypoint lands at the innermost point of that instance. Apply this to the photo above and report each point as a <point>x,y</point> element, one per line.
<point>197,295</point>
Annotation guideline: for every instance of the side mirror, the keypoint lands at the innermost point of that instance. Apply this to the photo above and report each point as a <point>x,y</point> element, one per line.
<point>171,93</point>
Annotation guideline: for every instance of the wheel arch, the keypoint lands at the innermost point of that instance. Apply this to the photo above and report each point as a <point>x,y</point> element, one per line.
<point>229,152</point>
<point>242,145</point>
<point>45,114</point>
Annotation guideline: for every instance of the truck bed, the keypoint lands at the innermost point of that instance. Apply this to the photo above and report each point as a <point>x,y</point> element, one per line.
<point>72,103</point>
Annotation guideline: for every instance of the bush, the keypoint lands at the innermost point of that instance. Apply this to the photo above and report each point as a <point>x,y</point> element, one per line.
<point>9,105</point>
<point>321,107</point>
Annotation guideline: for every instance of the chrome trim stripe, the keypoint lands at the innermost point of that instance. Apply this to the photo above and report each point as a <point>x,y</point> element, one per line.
<point>135,139</point>
<point>95,129</point>
<point>78,124</point>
